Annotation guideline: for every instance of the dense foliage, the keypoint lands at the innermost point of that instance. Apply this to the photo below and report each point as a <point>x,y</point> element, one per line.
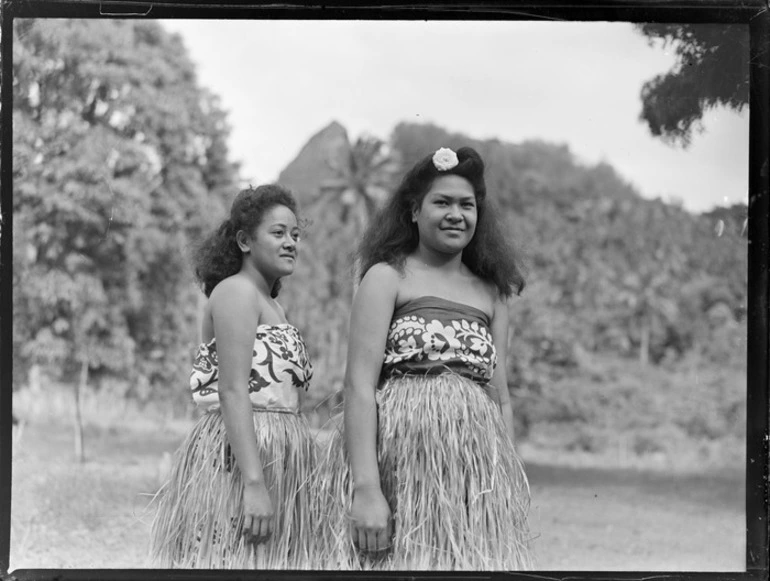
<point>610,272</point>
<point>712,69</point>
<point>119,163</point>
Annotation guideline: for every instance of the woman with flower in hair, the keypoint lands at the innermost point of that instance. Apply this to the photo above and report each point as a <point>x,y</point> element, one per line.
<point>239,495</point>
<point>429,477</point>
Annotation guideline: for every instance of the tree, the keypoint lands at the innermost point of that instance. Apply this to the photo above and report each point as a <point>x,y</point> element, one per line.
<point>343,184</point>
<point>120,163</point>
<point>364,177</point>
<point>712,69</point>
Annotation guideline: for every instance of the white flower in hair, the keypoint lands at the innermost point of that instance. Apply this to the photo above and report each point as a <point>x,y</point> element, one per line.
<point>445,159</point>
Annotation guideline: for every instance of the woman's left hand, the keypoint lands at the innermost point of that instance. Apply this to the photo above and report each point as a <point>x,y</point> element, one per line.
<point>257,513</point>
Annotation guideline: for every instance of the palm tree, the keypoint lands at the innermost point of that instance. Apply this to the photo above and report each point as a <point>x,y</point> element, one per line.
<point>364,175</point>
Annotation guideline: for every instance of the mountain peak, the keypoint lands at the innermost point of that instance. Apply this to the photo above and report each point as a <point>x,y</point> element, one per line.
<point>314,163</point>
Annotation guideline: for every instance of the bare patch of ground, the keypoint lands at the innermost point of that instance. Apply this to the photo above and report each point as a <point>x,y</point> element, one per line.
<point>93,515</point>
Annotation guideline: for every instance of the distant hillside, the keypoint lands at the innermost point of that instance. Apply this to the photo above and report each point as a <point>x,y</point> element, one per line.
<point>312,166</point>
<point>519,174</point>
<point>610,273</point>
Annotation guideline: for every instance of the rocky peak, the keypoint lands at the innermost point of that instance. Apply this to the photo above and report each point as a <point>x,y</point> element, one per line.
<point>315,162</point>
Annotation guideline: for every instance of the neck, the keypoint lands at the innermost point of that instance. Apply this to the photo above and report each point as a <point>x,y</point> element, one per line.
<point>263,283</point>
<point>435,259</point>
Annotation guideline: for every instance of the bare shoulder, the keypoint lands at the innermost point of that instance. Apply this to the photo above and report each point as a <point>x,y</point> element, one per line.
<point>486,294</point>
<point>234,291</point>
<point>500,303</point>
<point>381,274</point>
<point>379,286</point>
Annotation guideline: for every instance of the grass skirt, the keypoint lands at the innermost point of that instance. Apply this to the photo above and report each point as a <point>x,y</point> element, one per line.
<point>450,473</point>
<point>199,514</point>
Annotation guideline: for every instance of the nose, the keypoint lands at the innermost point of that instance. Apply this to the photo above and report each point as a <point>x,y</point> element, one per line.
<point>454,214</point>
<point>289,243</point>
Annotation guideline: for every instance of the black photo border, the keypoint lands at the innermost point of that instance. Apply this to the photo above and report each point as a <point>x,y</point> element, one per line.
<point>754,13</point>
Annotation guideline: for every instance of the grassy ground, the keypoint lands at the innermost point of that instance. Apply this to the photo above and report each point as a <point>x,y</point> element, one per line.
<point>93,515</point>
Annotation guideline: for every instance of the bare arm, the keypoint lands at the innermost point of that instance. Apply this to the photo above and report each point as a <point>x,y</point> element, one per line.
<point>372,311</point>
<point>500,378</point>
<point>235,312</point>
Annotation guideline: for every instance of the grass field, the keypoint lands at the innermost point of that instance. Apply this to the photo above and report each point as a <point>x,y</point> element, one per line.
<point>93,515</point>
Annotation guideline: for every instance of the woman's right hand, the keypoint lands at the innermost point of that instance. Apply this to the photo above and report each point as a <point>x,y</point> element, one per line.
<point>257,513</point>
<point>370,520</point>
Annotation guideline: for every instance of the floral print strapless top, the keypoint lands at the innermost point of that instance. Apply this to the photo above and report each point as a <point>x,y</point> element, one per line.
<point>430,335</point>
<point>279,368</point>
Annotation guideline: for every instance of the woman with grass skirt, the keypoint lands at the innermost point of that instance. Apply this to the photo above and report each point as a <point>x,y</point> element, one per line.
<point>428,477</point>
<point>239,494</point>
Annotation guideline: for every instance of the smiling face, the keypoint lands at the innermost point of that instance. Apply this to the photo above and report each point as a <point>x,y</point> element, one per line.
<point>446,218</point>
<point>272,246</point>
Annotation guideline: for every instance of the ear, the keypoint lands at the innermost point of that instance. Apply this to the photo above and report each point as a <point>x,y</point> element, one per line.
<point>242,240</point>
<point>415,211</point>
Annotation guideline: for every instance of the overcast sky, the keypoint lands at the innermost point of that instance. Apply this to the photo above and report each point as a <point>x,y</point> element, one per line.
<point>576,83</point>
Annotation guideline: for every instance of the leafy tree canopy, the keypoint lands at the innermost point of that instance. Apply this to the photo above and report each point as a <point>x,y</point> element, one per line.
<point>609,271</point>
<point>120,162</point>
<point>712,69</point>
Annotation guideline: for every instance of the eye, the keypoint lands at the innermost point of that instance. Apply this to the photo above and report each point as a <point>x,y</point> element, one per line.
<point>469,205</point>
<point>295,236</point>
<point>440,202</point>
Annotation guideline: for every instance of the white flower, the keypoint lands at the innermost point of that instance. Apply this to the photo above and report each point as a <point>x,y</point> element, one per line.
<point>479,345</point>
<point>445,159</point>
<point>440,341</point>
<point>407,345</point>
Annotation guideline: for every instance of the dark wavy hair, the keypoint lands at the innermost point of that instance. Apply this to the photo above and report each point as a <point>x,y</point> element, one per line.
<point>392,235</point>
<point>218,255</point>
